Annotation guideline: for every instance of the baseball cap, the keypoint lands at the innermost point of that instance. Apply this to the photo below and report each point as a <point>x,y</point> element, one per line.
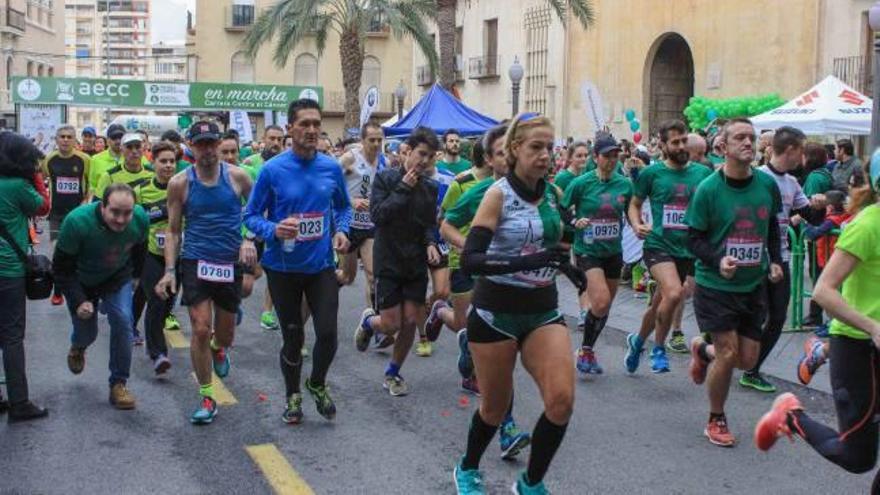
<point>89,130</point>
<point>606,144</point>
<point>115,131</point>
<point>203,131</point>
<point>132,137</point>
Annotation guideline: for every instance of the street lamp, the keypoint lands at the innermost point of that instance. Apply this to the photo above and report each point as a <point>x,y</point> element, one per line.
<point>400,94</point>
<point>516,74</point>
<point>874,23</point>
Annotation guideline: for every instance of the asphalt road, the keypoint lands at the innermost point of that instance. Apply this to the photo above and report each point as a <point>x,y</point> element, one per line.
<point>629,434</point>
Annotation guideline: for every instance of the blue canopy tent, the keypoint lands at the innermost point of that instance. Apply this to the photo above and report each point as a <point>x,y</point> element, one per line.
<point>439,110</point>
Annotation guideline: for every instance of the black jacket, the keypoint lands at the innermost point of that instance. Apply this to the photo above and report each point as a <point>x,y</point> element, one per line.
<point>405,218</point>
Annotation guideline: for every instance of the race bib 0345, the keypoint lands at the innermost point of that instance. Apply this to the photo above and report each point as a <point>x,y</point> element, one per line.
<point>748,251</point>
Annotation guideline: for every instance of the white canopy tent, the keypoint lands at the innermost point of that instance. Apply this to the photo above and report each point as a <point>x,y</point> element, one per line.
<point>830,107</point>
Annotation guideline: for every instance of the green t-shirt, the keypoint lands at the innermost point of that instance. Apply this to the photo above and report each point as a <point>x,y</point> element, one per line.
<point>715,159</point>
<point>818,182</point>
<point>152,197</point>
<point>253,165</point>
<point>244,153</point>
<point>453,194</point>
<point>462,165</point>
<point>18,201</point>
<point>564,178</point>
<point>669,192</point>
<point>181,166</point>
<point>605,204</point>
<point>736,221</point>
<point>104,161</point>
<point>462,214</point>
<point>100,252</point>
<point>119,174</point>
<point>861,238</point>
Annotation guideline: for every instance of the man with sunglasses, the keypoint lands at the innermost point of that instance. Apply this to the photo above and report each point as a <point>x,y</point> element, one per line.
<point>110,157</point>
<point>131,171</point>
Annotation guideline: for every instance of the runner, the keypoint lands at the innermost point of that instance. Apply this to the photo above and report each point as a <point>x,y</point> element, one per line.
<point>668,186</point>
<point>93,264</point>
<point>403,206</point>
<point>113,156</point>
<point>855,334</point>
<point>87,146</point>
<point>452,159</point>
<point>514,244</point>
<point>600,200</point>
<point>575,161</point>
<point>732,228</point>
<point>67,170</point>
<point>206,200</point>
<point>273,143</point>
<point>301,208</point>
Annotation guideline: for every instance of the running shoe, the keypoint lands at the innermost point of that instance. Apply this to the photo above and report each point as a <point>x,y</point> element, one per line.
<point>433,324</point>
<point>718,433</point>
<point>382,341</point>
<point>757,382</point>
<point>523,488</point>
<point>468,481</point>
<point>774,423</point>
<point>512,440</point>
<point>362,334</point>
<point>677,343</point>
<point>470,385</point>
<point>659,360</point>
<point>321,394</point>
<point>293,411</point>
<point>424,348</point>
<point>633,353</point>
<point>822,331</point>
<point>465,362</point>
<point>811,361</point>
<point>161,364</point>
<point>137,339</point>
<point>697,366</point>
<point>395,385</point>
<point>268,321</point>
<point>171,323</point>
<point>221,362</point>
<point>585,358</point>
<point>57,299</point>
<point>204,414</point>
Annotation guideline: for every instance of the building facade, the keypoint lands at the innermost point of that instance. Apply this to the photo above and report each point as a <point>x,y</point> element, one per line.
<point>168,62</point>
<point>215,50</point>
<point>32,43</point>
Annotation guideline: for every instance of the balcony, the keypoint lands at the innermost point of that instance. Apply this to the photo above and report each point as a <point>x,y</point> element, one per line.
<point>239,17</point>
<point>483,68</point>
<point>854,71</point>
<point>424,77</point>
<point>15,19</point>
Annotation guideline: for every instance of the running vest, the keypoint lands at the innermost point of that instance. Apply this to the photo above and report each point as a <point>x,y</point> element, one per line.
<point>525,228</point>
<point>213,219</point>
<point>359,183</point>
<point>67,181</point>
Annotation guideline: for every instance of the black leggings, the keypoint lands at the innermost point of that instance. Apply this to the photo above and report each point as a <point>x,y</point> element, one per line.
<point>322,295</point>
<point>778,296</point>
<point>157,309</point>
<point>854,383</point>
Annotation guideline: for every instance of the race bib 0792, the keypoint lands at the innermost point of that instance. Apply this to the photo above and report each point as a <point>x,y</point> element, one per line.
<point>67,185</point>
<point>748,251</point>
<point>311,227</point>
<point>215,272</point>
<point>673,217</point>
<point>605,229</point>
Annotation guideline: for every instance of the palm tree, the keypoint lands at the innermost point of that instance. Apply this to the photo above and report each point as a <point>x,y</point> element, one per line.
<point>582,10</point>
<point>291,21</point>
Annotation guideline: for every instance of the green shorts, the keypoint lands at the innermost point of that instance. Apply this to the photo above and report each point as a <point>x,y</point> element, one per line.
<point>485,326</point>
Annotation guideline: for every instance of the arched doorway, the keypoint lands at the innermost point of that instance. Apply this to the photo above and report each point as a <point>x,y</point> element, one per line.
<point>669,81</point>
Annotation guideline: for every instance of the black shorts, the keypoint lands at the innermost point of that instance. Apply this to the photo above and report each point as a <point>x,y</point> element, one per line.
<point>460,282</point>
<point>684,266</point>
<point>392,292</point>
<point>224,295</point>
<point>610,265</point>
<point>357,237</point>
<point>722,311</point>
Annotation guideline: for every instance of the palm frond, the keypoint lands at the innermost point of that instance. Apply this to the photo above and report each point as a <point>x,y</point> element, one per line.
<point>582,10</point>
<point>407,18</point>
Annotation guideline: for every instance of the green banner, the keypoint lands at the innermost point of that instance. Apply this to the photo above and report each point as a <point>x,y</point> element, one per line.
<point>153,94</point>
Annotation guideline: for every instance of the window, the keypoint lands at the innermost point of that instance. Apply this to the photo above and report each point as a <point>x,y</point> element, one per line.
<point>490,32</point>
<point>9,74</point>
<point>40,71</point>
<point>51,72</point>
<point>242,69</point>
<point>30,69</point>
<point>305,70</point>
<point>372,73</point>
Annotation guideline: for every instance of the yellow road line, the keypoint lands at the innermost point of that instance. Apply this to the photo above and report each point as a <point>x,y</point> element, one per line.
<point>176,339</point>
<point>281,476</point>
<point>221,394</point>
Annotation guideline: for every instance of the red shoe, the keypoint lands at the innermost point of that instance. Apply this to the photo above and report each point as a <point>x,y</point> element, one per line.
<point>57,299</point>
<point>774,423</point>
<point>718,433</point>
<point>698,365</point>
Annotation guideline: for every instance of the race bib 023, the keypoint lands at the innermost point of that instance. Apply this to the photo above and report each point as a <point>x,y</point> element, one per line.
<point>311,227</point>
<point>673,217</point>
<point>215,272</point>
<point>67,185</point>
<point>748,251</point>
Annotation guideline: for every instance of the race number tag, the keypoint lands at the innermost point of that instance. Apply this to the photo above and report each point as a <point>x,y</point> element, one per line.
<point>605,229</point>
<point>215,272</point>
<point>783,230</point>
<point>311,227</point>
<point>540,277</point>
<point>673,217</point>
<point>443,248</point>
<point>67,185</point>
<point>748,251</point>
<point>160,239</point>
<point>361,220</point>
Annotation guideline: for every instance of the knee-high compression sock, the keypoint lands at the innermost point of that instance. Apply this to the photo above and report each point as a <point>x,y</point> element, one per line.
<point>546,439</point>
<point>479,437</point>
<point>593,326</point>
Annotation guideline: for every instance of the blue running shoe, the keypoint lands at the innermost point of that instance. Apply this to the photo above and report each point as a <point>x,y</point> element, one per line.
<point>512,440</point>
<point>465,363</point>
<point>221,362</point>
<point>523,488</point>
<point>633,353</point>
<point>584,363</point>
<point>205,413</point>
<point>468,481</point>
<point>659,361</point>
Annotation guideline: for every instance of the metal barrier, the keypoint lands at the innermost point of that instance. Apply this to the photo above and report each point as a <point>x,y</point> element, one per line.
<point>800,248</point>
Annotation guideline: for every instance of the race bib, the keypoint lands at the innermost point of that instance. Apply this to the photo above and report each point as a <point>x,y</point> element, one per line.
<point>215,272</point>
<point>361,220</point>
<point>605,229</point>
<point>783,231</point>
<point>311,227</point>
<point>748,251</point>
<point>67,185</point>
<point>443,248</point>
<point>540,277</point>
<point>673,217</point>
<point>160,239</point>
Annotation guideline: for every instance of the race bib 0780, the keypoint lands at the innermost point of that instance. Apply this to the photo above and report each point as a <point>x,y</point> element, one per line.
<point>748,251</point>
<point>67,185</point>
<point>311,227</point>
<point>215,272</point>
<point>673,217</point>
<point>605,229</point>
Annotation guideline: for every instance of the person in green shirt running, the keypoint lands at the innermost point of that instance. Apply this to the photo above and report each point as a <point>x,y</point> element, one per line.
<point>600,199</point>
<point>111,157</point>
<point>669,186</point>
<point>452,159</point>
<point>273,143</point>
<point>732,231</point>
<point>93,265</point>
<point>131,171</point>
<point>575,160</point>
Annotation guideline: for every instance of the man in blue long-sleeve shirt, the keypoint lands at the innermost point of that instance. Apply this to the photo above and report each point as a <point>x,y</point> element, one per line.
<point>300,206</point>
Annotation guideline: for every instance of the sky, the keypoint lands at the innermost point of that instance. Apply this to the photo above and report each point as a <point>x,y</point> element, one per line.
<point>169,19</point>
